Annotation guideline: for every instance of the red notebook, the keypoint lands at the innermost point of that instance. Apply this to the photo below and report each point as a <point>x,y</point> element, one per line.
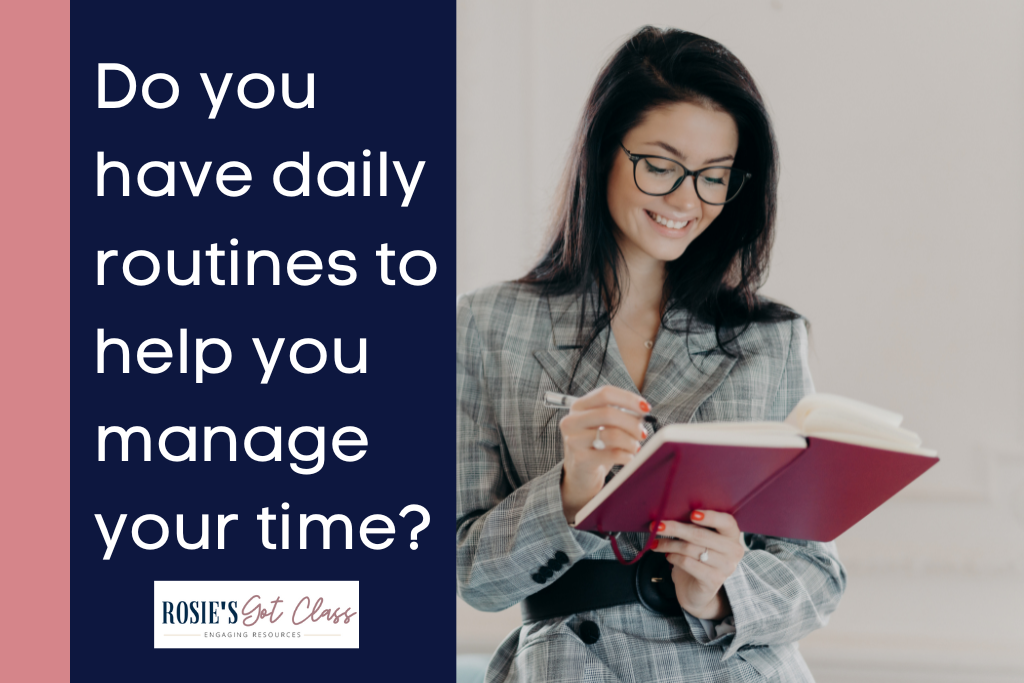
<point>827,467</point>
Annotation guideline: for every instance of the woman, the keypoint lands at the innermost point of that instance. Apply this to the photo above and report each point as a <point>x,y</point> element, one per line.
<point>646,301</point>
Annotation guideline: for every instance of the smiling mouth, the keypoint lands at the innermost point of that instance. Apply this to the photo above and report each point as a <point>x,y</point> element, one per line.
<point>670,224</point>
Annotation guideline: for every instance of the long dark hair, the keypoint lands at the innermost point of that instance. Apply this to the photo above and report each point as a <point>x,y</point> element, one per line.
<point>717,277</point>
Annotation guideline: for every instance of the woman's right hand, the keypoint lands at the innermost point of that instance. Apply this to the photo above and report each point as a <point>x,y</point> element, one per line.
<point>584,468</point>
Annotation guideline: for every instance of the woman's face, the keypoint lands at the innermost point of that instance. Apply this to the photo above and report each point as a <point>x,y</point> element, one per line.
<point>660,228</point>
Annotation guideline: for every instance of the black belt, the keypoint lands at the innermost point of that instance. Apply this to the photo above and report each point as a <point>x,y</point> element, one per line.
<point>595,584</point>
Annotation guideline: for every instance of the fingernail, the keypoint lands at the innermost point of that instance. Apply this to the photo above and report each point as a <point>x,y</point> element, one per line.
<point>661,526</point>
<point>644,432</point>
<point>696,515</point>
<point>645,406</point>
<point>655,544</point>
<point>638,448</point>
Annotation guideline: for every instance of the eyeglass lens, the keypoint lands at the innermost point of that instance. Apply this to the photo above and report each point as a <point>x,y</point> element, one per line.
<point>715,185</point>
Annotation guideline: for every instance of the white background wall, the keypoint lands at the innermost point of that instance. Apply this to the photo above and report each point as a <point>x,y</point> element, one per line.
<point>900,236</point>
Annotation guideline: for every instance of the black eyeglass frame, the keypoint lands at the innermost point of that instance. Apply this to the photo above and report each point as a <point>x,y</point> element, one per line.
<point>635,158</point>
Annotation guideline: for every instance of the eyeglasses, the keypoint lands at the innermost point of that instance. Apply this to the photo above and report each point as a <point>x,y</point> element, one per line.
<point>659,176</point>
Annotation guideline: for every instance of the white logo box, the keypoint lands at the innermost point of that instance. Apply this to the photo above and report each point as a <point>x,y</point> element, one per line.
<point>255,614</point>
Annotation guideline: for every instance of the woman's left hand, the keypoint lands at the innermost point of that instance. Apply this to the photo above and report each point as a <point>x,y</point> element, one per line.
<point>699,584</point>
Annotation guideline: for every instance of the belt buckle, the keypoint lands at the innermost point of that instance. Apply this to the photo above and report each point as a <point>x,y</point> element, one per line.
<point>654,586</point>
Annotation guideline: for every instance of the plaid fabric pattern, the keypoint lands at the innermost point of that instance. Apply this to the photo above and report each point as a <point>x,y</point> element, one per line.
<point>512,346</point>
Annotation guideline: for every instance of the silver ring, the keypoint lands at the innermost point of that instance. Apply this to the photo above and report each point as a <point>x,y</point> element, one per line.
<point>703,556</point>
<point>598,444</point>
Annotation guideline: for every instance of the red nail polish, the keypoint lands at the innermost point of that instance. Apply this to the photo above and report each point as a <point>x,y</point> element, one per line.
<point>652,526</point>
<point>645,406</point>
<point>655,544</point>
<point>661,526</point>
<point>696,515</point>
<point>644,432</point>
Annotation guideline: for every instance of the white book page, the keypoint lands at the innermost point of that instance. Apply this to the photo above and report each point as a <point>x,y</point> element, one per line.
<point>837,422</point>
<point>838,418</point>
<point>872,442</point>
<point>809,404</point>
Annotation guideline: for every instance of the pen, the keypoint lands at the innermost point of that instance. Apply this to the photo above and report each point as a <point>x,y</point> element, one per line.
<point>555,400</point>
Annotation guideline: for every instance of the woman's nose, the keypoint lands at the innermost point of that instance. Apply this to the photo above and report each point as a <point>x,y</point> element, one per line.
<point>685,196</point>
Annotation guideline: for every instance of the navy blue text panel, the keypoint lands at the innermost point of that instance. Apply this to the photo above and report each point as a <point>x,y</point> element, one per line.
<point>263,253</point>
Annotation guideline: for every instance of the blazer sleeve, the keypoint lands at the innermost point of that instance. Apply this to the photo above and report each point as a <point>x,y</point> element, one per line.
<point>783,589</point>
<point>511,537</point>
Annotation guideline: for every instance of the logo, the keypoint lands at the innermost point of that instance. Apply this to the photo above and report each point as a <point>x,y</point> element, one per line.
<point>256,614</point>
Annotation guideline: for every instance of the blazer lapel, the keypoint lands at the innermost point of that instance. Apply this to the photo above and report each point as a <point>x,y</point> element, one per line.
<point>559,359</point>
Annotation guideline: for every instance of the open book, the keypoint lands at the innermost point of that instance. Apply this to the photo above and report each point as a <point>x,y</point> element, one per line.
<point>812,477</point>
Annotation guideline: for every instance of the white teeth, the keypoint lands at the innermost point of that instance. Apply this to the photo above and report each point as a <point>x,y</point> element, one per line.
<point>673,225</point>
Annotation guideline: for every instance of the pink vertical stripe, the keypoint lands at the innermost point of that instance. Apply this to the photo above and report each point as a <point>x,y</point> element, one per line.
<point>35,75</point>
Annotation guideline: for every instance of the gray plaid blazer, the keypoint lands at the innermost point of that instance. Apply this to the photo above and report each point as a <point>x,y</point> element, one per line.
<point>513,345</point>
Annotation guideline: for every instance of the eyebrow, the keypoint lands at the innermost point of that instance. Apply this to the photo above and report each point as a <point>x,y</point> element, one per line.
<point>672,150</point>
